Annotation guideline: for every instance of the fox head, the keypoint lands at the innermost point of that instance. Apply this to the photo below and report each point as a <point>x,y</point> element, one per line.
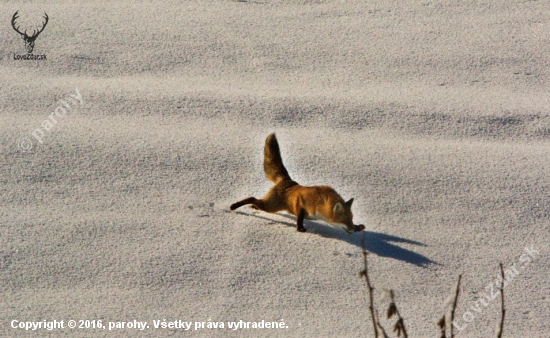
<point>342,215</point>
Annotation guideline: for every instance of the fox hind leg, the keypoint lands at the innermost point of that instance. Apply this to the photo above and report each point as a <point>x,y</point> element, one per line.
<point>265,205</point>
<point>256,204</point>
<point>249,200</point>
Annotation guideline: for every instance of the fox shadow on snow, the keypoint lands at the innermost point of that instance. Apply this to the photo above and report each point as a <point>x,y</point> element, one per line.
<point>378,243</point>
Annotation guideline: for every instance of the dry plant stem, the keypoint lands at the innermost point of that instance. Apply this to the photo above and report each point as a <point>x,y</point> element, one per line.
<point>399,318</point>
<point>454,306</point>
<point>369,286</point>
<point>502,310</point>
<point>384,334</point>
<point>442,325</point>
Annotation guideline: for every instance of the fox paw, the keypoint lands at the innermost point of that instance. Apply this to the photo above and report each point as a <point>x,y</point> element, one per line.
<point>301,229</point>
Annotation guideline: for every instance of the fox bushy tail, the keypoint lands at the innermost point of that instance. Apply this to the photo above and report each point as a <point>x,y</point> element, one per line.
<point>274,169</point>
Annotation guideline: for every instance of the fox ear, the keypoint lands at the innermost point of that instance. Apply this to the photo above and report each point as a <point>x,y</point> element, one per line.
<point>348,203</point>
<point>338,208</point>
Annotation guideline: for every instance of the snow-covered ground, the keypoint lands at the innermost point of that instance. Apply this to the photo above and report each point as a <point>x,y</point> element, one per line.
<point>433,115</point>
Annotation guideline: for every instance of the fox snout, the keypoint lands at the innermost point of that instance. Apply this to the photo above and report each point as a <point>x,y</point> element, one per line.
<point>350,229</point>
<point>342,214</point>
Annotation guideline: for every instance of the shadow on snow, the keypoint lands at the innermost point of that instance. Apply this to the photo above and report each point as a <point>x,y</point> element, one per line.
<point>378,243</point>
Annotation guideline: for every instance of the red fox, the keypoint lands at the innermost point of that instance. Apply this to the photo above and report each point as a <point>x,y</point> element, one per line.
<point>318,202</point>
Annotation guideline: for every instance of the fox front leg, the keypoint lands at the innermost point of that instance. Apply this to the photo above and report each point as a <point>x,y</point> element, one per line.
<point>300,221</point>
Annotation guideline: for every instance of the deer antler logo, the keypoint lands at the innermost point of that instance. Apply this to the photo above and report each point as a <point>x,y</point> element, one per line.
<point>29,40</point>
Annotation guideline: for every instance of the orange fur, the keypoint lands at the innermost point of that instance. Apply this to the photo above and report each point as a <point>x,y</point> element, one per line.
<point>317,202</point>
